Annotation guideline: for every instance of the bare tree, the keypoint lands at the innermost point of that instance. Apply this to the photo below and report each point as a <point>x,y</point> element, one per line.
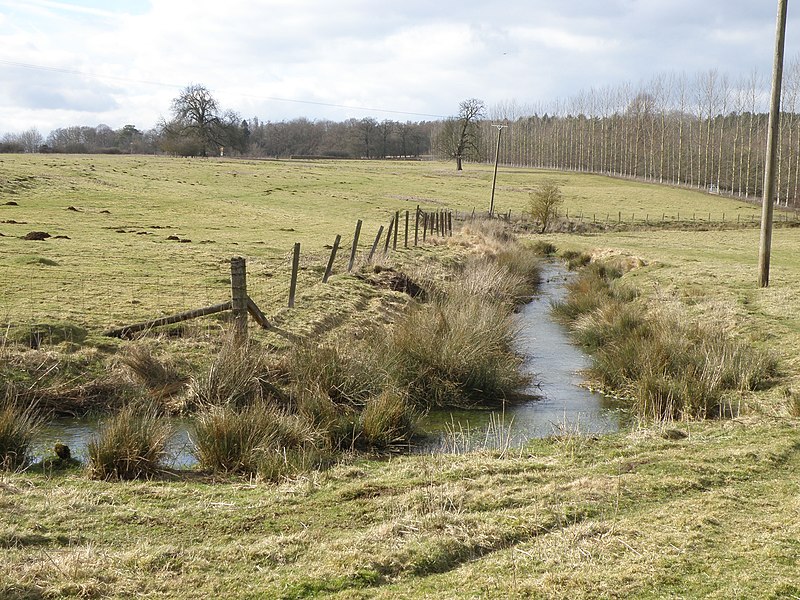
<point>196,118</point>
<point>460,137</point>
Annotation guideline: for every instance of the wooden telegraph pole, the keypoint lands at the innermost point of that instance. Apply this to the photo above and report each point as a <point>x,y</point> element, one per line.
<point>772,146</point>
<point>496,160</point>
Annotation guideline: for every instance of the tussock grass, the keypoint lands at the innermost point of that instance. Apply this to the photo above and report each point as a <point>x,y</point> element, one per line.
<point>457,351</point>
<point>159,375</point>
<point>18,425</point>
<point>239,375</point>
<point>665,365</point>
<point>233,439</point>
<point>348,370</point>
<point>131,444</point>
<point>388,420</point>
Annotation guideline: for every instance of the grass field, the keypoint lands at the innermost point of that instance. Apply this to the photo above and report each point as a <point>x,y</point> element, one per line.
<point>118,264</point>
<point>669,510</point>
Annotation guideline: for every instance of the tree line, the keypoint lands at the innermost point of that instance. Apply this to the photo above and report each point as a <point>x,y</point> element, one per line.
<point>704,131</point>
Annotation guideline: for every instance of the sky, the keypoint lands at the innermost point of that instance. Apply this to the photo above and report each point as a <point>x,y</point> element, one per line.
<point>90,62</point>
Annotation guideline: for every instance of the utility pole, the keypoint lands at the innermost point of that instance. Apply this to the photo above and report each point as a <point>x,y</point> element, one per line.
<point>496,160</point>
<point>772,147</point>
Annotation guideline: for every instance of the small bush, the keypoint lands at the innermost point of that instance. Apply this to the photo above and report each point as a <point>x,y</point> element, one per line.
<point>545,201</point>
<point>18,426</point>
<point>132,444</point>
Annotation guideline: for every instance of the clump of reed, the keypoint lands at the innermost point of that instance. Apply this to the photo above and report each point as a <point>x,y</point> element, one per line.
<point>239,375</point>
<point>18,425</point>
<point>131,444</point>
<point>457,351</point>
<point>234,439</point>
<point>666,366</point>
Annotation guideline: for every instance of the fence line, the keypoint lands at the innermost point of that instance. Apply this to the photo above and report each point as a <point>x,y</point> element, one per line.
<point>156,300</point>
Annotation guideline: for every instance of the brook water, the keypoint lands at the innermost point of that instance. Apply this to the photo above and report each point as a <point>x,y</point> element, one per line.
<point>559,404</point>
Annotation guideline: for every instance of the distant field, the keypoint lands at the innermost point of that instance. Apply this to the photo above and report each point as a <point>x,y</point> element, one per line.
<point>117,212</point>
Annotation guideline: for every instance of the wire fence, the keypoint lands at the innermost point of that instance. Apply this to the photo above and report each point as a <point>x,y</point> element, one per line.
<point>66,301</point>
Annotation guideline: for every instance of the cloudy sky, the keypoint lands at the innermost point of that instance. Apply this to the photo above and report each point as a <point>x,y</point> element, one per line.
<point>86,62</point>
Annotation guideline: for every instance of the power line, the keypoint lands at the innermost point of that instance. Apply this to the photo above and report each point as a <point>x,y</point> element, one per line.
<point>50,69</point>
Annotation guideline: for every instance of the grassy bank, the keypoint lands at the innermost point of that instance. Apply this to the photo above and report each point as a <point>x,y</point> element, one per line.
<point>707,510</point>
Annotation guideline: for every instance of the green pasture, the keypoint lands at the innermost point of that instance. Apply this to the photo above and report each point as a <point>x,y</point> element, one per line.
<point>116,264</point>
<point>672,510</point>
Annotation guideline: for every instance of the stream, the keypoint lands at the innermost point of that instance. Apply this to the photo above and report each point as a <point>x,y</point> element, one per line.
<point>559,404</point>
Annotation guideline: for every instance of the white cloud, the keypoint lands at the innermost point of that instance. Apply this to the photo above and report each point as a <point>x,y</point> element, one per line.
<point>413,56</point>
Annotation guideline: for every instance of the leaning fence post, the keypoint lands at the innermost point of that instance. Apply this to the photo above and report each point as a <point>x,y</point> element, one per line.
<point>389,236</point>
<point>424,226</point>
<point>239,298</point>
<point>329,268</point>
<point>375,243</point>
<point>295,268</point>
<point>355,246</point>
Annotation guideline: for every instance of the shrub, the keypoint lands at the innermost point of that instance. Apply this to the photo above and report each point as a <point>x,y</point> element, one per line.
<point>132,444</point>
<point>18,426</point>
<point>545,201</point>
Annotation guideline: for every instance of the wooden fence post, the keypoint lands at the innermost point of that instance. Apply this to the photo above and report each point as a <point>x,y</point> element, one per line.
<point>416,226</point>
<point>389,236</point>
<point>295,269</point>
<point>424,226</point>
<point>396,227</point>
<point>450,220</point>
<point>375,243</point>
<point>239,299</point>
<point>329,268</point>
<point>405,243</point>
<point>355,246</point>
